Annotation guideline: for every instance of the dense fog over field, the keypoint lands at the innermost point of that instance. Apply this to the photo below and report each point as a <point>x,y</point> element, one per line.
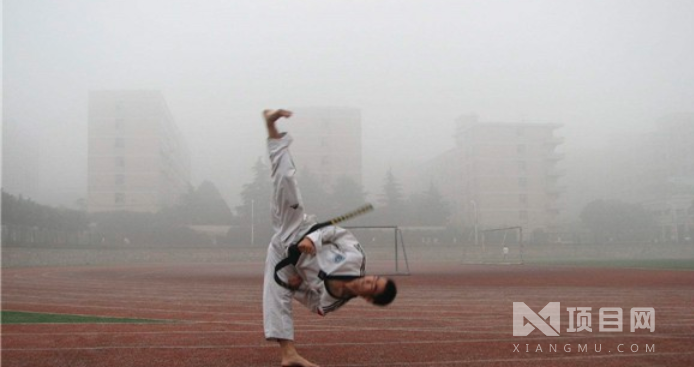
<point>605,70</point>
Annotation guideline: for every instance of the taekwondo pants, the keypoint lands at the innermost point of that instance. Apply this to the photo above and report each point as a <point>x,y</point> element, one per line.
<point>287,218</point>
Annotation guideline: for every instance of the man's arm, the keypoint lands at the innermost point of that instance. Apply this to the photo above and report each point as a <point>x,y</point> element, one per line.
<point>306,295</point>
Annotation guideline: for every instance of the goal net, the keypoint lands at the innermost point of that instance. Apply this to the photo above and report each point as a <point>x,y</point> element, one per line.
<point>384,248</point>
<point>495,246</point>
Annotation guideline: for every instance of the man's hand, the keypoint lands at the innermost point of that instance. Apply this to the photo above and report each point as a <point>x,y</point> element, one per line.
<point>306,246</point>
<point>294,281</point>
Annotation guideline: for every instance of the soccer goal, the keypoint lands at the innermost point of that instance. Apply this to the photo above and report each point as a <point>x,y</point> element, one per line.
<point>385,249</point>
<point>495,246</point>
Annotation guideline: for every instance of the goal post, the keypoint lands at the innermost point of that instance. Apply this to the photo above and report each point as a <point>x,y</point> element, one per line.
<point>495,246</point>
<point>385,249</point>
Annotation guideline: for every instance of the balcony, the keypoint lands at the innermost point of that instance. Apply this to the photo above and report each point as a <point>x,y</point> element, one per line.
<point>555,189</point>
<point>555,172</point>
<point>554,157</point>
<point>554,141</point>
<point>554,205</point>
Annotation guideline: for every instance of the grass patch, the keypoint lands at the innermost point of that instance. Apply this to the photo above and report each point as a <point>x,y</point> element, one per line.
<point>667,264</point>
<point>18,317</point>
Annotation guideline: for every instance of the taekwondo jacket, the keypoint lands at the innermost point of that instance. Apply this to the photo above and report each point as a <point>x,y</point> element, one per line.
<point>339,255</point>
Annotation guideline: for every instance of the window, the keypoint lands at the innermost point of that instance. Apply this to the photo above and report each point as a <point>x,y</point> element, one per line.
<point>120,179</point>
<point>118,124</point>
<point>522,166</point>
<point>119,198</point>
<point>520,149</point>
<point>522,181</point>
<point>120,162</point>
<point>523,199</point>
<point>119,143</point>
<point>523,215</point>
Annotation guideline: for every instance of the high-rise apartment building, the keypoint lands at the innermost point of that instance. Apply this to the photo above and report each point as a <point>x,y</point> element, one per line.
<point>328,143</point>
<point>667,177</point>
<point>137,159</point>
<point>501,175</point>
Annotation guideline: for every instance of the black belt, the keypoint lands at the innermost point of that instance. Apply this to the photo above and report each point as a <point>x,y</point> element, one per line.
<point>293,252</point>
<point>293,255</point>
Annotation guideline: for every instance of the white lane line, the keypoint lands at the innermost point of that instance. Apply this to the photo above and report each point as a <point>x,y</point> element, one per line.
<point>521,360</point>
<point>577,340</point>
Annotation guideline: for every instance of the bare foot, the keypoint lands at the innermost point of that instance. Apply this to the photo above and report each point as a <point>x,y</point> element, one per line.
<point>271,116</point>
<point>297,361</point>
<point>274,115</point>
<point>292,358</point>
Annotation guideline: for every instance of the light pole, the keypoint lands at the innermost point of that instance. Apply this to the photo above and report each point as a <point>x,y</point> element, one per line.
<point>474,208</point>
<point>252,222</point>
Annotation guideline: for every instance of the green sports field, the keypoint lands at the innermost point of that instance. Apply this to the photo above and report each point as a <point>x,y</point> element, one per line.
<point>18,317</point>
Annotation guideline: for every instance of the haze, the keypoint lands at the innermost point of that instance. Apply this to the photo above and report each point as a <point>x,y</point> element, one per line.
<point>411,67</point>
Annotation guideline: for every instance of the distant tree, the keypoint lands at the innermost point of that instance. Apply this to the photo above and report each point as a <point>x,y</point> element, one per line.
<point>392,199</point>
<point>21,211</point>
<point>616,220</point>
<point>316,199</point>
<point>428,208</point>
<point>256,196</point>
<point>346,195</point>
<point>253,221</point>
<point>204,205</point>
<point>124,228</point>
<point>209,207</point>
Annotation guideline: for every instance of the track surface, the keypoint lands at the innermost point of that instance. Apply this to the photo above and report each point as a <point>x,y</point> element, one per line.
<point>445,315</point>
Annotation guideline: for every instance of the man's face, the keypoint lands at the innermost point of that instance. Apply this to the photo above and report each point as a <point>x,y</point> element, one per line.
<point>369,286</point>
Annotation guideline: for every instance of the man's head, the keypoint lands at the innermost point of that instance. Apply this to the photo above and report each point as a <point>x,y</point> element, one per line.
<point>378,290</point>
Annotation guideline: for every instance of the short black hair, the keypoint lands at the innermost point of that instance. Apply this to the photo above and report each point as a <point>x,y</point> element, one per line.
<point>388,295</point>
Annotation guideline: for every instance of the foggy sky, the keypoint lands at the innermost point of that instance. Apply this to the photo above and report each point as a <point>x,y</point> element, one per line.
<point>410,66</point>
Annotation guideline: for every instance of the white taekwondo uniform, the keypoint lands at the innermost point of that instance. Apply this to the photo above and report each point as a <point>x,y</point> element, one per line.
<point>338,253</point>
<point>338,256</point>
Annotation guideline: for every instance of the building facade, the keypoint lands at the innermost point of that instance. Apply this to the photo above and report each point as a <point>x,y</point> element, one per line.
<point>501,175</point>
<point>330,145</point>
<point>667,177</point>
<point>137,159</point>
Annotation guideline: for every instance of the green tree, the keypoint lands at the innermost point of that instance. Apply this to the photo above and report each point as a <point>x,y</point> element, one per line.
<point>392,199</point>
<point>204,205</point>
<point>346,195</point>
<point>316,199</point>
<point>21,211</point>
<point>428,208</point>
<point>256,196</point>
<point>209,207</point>
<point>253,220</point>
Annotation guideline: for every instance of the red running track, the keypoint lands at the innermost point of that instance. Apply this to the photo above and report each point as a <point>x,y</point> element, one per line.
<point>445,315</point>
